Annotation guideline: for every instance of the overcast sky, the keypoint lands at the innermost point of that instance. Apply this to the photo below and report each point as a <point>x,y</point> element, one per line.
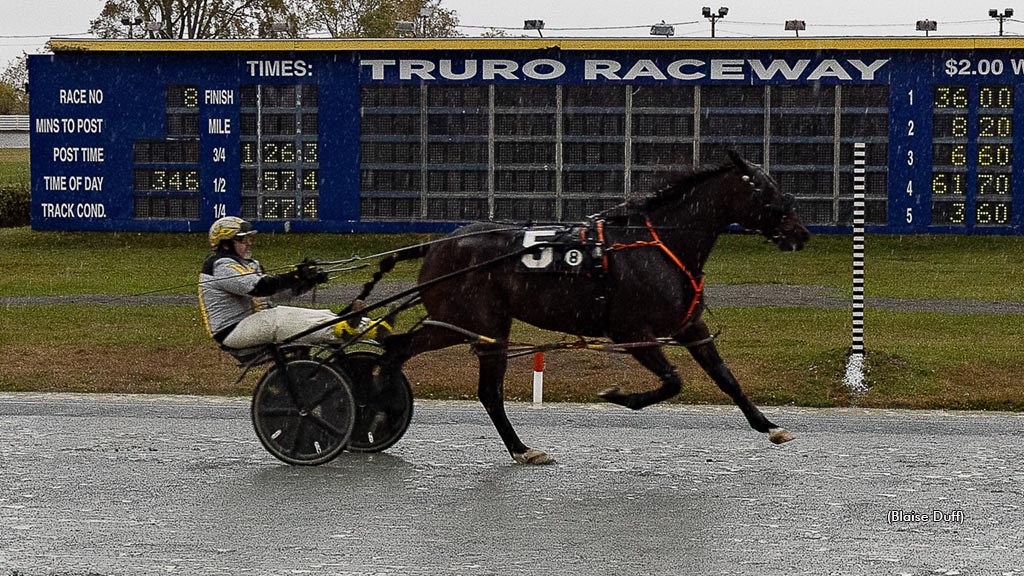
<point>27,24</point>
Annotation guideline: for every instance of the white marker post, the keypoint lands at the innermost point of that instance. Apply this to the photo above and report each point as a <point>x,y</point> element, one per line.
<point>538,378</point>
<point>854,378</point>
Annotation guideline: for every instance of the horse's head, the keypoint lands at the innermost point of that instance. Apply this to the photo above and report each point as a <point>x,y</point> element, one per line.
<point>760,206</point>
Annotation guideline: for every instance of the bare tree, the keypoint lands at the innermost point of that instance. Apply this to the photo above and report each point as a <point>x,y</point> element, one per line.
<point>13,97</point>
<point>191,19</point>
<point>247,18</point>
<point>374,18</point>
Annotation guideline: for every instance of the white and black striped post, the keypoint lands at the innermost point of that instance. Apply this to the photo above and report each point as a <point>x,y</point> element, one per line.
<point>854,378</point>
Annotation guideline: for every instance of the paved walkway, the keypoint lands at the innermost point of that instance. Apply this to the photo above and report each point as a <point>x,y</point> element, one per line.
<point>718,296</point>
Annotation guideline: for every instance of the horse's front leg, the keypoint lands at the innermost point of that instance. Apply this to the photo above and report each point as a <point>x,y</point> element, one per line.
<point>698,341</point>
<point>491,391</point>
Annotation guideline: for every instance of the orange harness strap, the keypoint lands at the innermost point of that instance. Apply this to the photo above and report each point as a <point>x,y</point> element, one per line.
<point>600,240</point>
<point>698,284</point>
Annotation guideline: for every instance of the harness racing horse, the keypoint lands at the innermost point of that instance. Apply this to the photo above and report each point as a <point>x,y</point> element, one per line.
<point>654,252</point>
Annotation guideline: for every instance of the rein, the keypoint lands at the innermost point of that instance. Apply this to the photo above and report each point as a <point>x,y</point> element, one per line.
<point>696,282</point>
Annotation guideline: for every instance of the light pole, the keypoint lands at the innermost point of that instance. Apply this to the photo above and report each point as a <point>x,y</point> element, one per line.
<point>663,29</point>
<point>706,11</point>
<point>426,13</point>
<point>278,28</point>
<point>796,26</point>
<point>927,26</point>
<point>155,29</point>
<point>537,25</point>
<point>131,23</point>
<point>1008,13</point>
<point>403,27</point>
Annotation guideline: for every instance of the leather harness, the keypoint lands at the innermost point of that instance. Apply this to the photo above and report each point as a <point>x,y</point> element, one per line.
<point>697,282</point>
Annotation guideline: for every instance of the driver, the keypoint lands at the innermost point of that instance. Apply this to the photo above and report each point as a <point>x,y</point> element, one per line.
<point>234,294</point>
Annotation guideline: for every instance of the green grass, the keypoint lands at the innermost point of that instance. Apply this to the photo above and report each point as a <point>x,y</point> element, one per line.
<point>47,263</point>
<point>922,266</point>
<point>781,356</point>
<point>14,168</point>
<point>792,356</point>
<point>953,267</point>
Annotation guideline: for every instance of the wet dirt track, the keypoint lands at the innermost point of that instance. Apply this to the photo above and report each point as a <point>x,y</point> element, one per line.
<point>179,485</point>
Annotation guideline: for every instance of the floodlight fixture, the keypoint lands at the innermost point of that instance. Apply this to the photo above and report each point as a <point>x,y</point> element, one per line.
<point>663,29</point>
<point>131,23</point>
<point>927,26</point>
<point>714,17</point>
<point>796,26</point>
<point>1007,13</point>
<point>154,29</point>
<point>537,25</point>
<point>405,27</point>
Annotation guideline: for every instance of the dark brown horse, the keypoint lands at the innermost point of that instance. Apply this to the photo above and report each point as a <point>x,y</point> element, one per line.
<point>654,252</point>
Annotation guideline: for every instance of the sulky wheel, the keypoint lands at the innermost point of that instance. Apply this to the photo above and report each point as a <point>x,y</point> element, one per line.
<point>383,410</point>
<point>305,418</point>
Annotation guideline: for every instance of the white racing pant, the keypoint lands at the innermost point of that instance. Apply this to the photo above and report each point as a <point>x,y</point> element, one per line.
<point>278,323</point>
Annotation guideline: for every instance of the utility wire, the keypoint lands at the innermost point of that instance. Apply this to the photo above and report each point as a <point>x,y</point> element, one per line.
<point>740,22</point>
<point>584,28</point>
<point>6,36</point>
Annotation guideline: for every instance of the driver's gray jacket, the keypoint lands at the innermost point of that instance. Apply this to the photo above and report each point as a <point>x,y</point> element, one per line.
<point>225,286</point>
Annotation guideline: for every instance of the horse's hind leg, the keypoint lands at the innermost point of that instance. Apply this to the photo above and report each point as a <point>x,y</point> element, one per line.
<point>399,348</point>
<point>493,363</point>
<point>654,360</point>
<point>698,340</point>
<point>491,391</point>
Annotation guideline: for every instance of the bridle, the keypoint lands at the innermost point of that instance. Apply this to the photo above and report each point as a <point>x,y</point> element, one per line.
<point>776,206</point>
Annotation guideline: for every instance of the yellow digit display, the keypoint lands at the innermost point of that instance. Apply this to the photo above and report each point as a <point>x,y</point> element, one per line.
<point>995,97</point>
<point>278,133</point>
<point>310,153</point>
<point>960,126</point>
<point>958,157</point>
<point>951,96</point>
<point>998,184</point>
<point>309,180</point>
<point>994,126</point>
<point>248,152</point>
<point>995,155</point>
<point>992,213</point>
<point>949,183</point>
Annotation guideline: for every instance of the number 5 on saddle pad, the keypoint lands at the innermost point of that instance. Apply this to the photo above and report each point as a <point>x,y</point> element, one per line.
<point>560,250</point>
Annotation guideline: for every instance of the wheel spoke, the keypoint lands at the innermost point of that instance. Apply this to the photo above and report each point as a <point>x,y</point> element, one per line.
<point>295,440</point>
<point>327,426</point>
<point>332,390</point>
<point>280,412</point>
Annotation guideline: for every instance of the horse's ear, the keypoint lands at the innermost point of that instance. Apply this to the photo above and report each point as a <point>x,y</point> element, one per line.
<point>739,162</point>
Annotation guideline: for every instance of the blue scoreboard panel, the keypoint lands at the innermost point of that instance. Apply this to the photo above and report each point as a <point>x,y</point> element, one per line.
<point>421,135</point>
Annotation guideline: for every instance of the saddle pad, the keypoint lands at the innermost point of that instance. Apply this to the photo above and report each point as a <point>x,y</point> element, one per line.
<point>560,250</point>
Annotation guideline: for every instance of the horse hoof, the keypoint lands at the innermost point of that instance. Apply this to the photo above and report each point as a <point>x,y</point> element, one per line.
<point>614,395</point>
<point>533,456</point>
<point>779,435</point>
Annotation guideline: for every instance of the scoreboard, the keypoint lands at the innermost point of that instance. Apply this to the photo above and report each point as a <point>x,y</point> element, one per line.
<point>422,135</point>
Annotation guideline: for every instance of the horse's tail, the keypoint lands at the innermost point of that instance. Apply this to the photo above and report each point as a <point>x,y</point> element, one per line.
<point>387,264</point>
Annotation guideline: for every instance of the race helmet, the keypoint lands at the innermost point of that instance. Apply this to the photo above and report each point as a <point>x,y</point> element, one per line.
<point>229,228</point>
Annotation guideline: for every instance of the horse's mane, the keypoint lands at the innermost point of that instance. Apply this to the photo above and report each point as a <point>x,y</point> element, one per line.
<point>675,188</point>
